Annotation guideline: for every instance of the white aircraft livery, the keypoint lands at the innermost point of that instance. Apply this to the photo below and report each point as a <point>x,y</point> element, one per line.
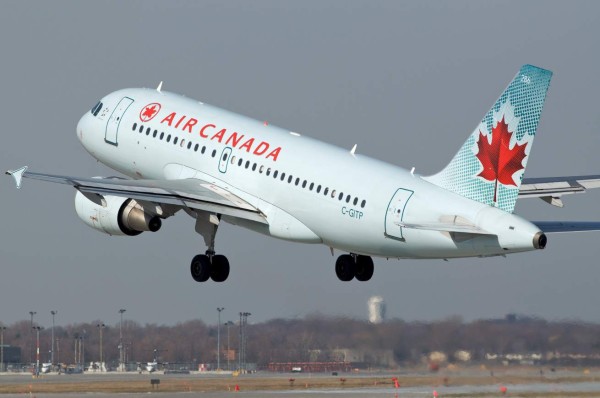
<point>215,165</point>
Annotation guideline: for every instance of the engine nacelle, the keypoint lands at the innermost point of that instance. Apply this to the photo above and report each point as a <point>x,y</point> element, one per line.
<point>116,215</point>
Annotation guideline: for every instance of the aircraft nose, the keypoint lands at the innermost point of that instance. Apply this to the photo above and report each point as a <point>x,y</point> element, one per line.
<point>82,126</point>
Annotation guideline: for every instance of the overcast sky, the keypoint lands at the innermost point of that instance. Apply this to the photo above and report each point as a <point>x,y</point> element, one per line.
<point>406,81</point>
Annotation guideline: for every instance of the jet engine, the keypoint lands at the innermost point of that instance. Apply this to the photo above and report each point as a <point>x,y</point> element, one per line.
<point>115,215</point>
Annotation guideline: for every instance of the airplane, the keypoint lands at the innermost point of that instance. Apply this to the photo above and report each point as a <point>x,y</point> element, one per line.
<point>217,166</point>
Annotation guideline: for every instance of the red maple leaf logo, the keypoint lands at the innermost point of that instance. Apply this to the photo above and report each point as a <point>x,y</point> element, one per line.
<point>499,161</point>
<point>149,111</point>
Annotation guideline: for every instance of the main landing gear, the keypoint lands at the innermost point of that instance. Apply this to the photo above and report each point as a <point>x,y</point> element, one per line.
<point>209,265</point>
<point>350,266</point>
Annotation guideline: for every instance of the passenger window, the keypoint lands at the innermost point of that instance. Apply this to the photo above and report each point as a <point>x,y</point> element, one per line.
<point>290,178</point>
<point>269,171</point>
<point>134,126</point>
<point>319,189</point>
<point>304,184</point>
<point>282,176</point>
<point>240,162</point>
<point>169,138</point>
<point>162,135</point>
<point>254,167</point>
<point>155,132</point>
<point>341,196</point>
<point>141,128</point>
<point>224,157</point>
<point>312,185</point>
<point>148,131</point>
<point>363,203</point>
<point>297,181</point>
<point>275,174</point>
<point>196,147</point>
<point>189,144</point>
<point>203,150</point>
<point>333,193</point>
<point>348,199</point>
<point>355,201</point>
<point>247,163</point>
<point>233,160</point>
<point>214,153</point>
<point>261,169</point>
<point>175,140</point>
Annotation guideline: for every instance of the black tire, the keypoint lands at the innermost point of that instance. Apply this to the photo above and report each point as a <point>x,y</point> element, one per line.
<point>200,268</point>
<point>345,268</point>
<point>220,268</point>
<point>364,268</point>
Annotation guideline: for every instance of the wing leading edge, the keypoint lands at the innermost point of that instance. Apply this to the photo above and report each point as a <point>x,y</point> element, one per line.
<point>188,193</point>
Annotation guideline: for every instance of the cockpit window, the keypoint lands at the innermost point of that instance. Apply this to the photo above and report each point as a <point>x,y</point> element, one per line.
<point>96,109</point>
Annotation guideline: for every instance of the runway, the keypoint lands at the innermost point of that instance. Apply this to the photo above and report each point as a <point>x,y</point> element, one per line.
<point>467,383</point>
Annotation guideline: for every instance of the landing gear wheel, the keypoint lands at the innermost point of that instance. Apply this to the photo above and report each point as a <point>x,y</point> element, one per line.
<point>220,268</point>
<point>200,268</point>
<point>364,268</point>
<point>345,268</point>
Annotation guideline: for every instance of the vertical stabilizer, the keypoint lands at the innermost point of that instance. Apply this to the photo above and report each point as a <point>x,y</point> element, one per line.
<point>490,165</point>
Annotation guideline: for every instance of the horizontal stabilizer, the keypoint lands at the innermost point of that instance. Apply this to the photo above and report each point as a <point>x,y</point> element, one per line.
<point>567,226</point>
<point>550,189</point>
<point>446,227</point>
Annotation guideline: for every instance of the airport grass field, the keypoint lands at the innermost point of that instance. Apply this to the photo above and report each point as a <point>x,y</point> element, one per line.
<point>135,383</point>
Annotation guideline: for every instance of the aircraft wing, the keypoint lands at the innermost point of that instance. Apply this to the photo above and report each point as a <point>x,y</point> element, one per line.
<point>191,192</point>
<point>567,226</point>
<point>551,189</point>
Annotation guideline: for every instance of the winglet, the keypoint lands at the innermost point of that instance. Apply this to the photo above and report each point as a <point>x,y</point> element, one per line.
<point>17,175</point>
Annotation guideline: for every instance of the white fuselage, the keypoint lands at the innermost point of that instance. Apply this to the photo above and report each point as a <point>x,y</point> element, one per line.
<point>371,199</point>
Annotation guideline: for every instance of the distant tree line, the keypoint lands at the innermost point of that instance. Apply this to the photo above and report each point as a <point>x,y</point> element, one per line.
<point>313,338</point>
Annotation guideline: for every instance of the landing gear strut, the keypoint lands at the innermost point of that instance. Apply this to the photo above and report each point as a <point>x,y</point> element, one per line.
<point>209,265</point>
<point>350,266</point>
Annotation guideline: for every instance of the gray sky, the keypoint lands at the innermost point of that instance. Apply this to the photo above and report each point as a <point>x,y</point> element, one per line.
<point>407,82</point>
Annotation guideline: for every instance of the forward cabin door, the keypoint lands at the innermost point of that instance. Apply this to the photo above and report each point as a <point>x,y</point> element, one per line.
<point>112,126</point>
<point>395,213</point>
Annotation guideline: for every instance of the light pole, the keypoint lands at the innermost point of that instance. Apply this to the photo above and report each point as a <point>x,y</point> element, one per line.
<point>101,326</point>
<point>32,313</point>
<point>228,323</point>
<point>83,350</point>
<point>240,346</point>
<point>219,309</point>
<point>242,354</point>
<point>37,355</point>
<point>2,329</point>
<point>121,357</point>
<point>52,349</point>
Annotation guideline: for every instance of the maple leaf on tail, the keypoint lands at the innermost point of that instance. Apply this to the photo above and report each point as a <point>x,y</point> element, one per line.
<point>498,160</point>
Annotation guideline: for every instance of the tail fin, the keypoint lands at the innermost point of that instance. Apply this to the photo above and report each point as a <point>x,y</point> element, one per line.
<point>490,165</point>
